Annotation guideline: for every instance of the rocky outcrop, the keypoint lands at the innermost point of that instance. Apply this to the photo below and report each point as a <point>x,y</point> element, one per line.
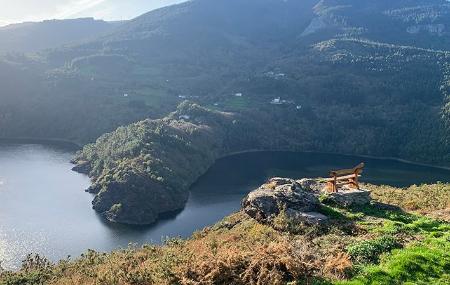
<point>346,196</point>
<point>81,167</point>
<point>280,195</point>
<point>297,200</point>
<point>350,197</point>
<point>312,184</point>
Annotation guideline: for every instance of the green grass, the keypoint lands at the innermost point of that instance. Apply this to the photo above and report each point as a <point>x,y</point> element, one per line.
<point>238,103</point>
<point>372,244</point>
<point>427,262</point>
<point>369,251</point>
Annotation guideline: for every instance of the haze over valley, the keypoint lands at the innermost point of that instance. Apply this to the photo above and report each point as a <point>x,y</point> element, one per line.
<point>175,115</point>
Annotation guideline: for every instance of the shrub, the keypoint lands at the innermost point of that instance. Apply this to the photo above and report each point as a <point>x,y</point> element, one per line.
<point>369,251</point>
<point>35,270</point>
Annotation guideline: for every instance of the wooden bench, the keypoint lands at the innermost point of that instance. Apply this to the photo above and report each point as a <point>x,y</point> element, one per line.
<point>344,177</point>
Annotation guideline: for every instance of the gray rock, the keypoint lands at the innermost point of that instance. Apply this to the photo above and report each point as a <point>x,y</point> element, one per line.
<point>83,167</point>
<point>350,197</point>
<point>313,185</point>
<point>311,218</point>
<point>265,203</point>
<point>277,181</point>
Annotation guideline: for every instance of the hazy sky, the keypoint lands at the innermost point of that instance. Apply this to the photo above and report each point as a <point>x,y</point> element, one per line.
<point>13,11</point>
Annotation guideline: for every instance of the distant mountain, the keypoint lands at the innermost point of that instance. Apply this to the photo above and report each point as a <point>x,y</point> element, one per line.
<point>36,36</point>
<point>376,69</point>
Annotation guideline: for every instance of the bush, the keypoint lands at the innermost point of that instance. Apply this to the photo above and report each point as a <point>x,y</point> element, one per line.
<point>369,251</point>
<point>35,270</point>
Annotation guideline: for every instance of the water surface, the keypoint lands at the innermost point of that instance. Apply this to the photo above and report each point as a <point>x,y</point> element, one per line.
<point>44,209</point>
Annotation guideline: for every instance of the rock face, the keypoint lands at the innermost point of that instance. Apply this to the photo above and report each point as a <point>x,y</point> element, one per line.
<point>350,197</point>
<point>345,196</point>
<point>280,194</point>
<point>81,167</point>
<point>311,184</point>
<point>298,200</point>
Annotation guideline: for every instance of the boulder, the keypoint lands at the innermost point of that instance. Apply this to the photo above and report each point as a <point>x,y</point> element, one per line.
<point>311,184</point>
<point>267,202</point>
<point>350,197</point>
<point>346,196</point>
<point>306,217</point>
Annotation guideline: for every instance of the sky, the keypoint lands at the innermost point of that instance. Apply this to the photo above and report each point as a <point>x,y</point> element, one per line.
<point>15,11</point>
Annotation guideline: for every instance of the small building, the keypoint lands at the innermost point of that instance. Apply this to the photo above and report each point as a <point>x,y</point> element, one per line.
<point>238,94</point>
<point>299,107</point>
<point>276,101</point>
<point>182,97</point>
<point>125,95</point>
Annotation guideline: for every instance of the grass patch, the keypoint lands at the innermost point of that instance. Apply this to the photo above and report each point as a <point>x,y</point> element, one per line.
<point>431,200</point>
<point>425,263</point>
<point>369,251</point>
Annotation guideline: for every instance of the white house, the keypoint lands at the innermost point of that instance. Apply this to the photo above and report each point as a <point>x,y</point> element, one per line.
<point>276,101</point>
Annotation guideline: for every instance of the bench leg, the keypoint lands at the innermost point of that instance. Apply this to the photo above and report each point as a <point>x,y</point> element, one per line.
<point>356,179</point>
<point>331,187</point>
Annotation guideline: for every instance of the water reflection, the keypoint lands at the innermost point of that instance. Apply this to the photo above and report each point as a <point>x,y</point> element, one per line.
<point>44,209</point>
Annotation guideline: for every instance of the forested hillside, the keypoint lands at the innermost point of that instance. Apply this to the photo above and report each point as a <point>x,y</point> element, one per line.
<point>145,169</point>
<point>366,77</point>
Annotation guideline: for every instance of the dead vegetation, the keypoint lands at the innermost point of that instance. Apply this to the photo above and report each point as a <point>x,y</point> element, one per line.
<point>238,250</point>
<point>430,200</point>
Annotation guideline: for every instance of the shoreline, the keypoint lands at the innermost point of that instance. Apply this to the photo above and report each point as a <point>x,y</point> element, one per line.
<point>43,141</point>
<point>77,146</point>
<point>443,167</point>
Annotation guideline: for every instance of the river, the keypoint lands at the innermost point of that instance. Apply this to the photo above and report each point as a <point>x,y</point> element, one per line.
<point>44,209</point>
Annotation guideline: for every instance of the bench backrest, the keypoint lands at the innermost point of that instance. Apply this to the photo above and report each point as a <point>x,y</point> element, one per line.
<point>342,172</point>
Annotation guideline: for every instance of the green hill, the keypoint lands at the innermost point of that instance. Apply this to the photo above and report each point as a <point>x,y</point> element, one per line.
<point>378,67</point>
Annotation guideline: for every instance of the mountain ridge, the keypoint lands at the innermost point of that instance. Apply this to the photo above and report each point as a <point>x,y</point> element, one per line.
<point>32,37</point>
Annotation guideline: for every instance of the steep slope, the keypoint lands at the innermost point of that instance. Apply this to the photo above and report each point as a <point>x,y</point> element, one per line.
<point>37,36</point>
<point>377,67</point>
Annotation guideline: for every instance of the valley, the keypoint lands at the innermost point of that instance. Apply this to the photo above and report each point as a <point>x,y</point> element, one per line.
<point>28,224</point>
<point>182,117</point>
